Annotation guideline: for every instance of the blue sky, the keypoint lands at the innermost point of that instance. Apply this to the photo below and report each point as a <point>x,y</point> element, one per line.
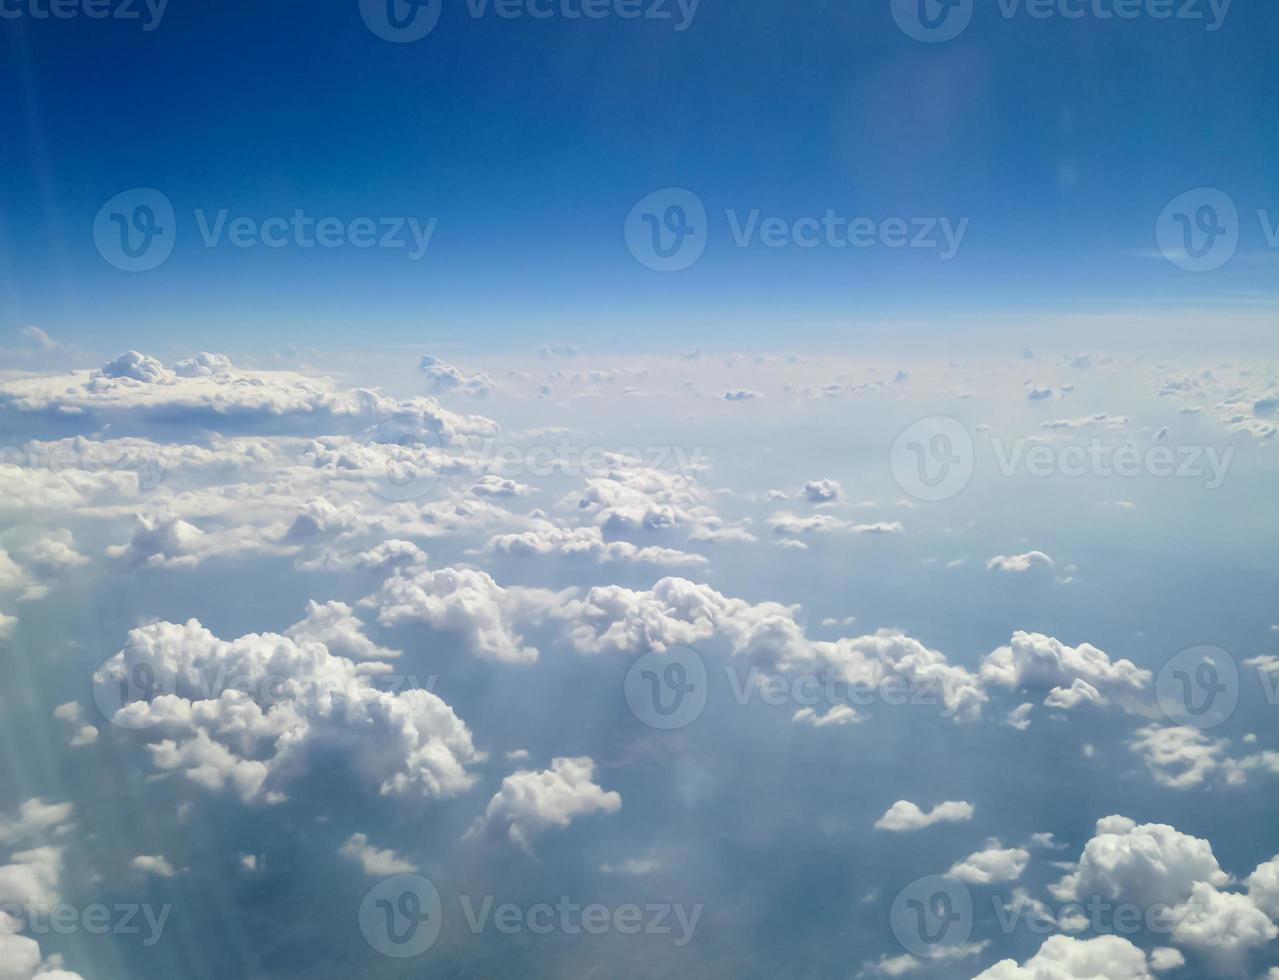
<point>530,140</point>
<point>657,374</point>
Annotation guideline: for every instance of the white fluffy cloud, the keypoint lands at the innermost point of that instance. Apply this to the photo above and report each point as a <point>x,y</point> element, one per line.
<point>374,861</point>
<point>246,714</point>
<point>30,878</point>
<point>1147,864</point>
<point>905,815</point>
<point>1160,869</point>
<point>1064,958</point>
<point>991,866</point>
<point>469,603</point>
<point>1035,661</point>
<point>531,802</point>
<point>154,864</point>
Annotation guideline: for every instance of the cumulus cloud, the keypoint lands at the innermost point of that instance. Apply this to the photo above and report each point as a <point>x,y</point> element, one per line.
<point>993,865</point>
<point>1065,958</point>
<point>822,491</point>
<point>381,863</point>
<point>469,603</point>
<point>905,815</point>
<point>30,878</point>
<point>531,802</point>
<point>1148,864</point>
<point>1184,757</point>
<point>248,715</point>
<point>1035,661</point>
<point>444,378</point>
<point>154,864</point>
<point>546,538</point>
<point>72,715</point>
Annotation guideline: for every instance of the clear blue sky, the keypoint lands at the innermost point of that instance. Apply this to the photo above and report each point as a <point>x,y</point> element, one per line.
<point>530,140</point>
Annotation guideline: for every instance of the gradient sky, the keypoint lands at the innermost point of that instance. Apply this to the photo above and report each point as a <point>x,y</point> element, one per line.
<point>530,140</point>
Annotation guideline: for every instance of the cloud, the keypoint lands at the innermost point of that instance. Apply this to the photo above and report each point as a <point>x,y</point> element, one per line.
<point>380,863</point>
<point>1065,958</point>
<point>444,378</point>
<point>905,815</point>
<point>72,715</point>
<point>468,603</point>
<point>1035,661</point>
<point>151,864</point>
<point>30,879</point>
<point>545,538</point>
<point>1184,757</point>
<point>1020,563</point>
<point>822,491</point>
<point>790,524</point>
<point>530,803</point>
<point>246,715</point>
<point>836,715</point>
<point>991,866</point>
